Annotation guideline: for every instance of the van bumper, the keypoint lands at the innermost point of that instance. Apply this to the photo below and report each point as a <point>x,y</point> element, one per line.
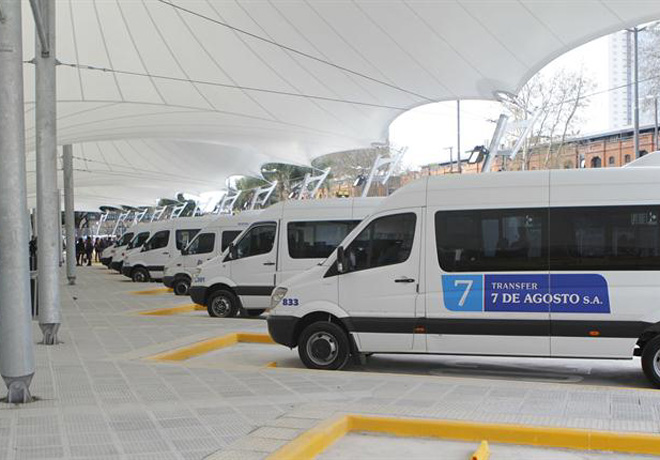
<point>282,329</point>
<point>116,266</point>
<point>198,294</point>
<point>168,281</point>
<point>126,271</point>
<point>106,261</point>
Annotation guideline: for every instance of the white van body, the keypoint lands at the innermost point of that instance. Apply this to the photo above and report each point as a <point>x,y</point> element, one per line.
<point>141,233</point>
<point>561,263</point>
<point>165,242</point>
<point>113,254</point>
<point>288,238</point>
<point>210,242</point>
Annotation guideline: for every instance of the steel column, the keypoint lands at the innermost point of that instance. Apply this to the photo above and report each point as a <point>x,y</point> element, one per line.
<point>16,346</point>
<point>48,200</point>
<point>69,214</point>
<point>636,91</point>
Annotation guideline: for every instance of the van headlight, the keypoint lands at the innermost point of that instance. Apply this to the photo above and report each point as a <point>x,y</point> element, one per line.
<point>277,296</point>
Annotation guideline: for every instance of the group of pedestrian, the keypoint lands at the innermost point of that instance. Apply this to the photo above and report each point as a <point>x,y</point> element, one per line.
<point>88,250</point>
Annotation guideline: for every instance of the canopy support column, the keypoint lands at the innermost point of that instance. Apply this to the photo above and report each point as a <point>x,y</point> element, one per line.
<point>16,347</point>
<point>48,199</point>
<point>69,214</point>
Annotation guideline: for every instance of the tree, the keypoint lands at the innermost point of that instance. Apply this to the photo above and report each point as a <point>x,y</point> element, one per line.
<point>559,97</point>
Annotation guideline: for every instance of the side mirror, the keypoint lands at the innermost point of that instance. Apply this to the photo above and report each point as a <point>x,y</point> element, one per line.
<point>233,252</point>
<point>341,259</point>
<point>184,251</point>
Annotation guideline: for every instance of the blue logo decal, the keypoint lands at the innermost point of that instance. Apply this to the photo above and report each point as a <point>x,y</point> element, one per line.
<point>559,293</point>
<point>463,292</point>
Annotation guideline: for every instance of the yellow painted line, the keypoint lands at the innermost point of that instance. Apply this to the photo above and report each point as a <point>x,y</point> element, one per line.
<point>173,310</point>
<point>271,364</point>
<point>313,442</point>
<point>156,291</point>
<point>206,346</point>
<point>482,453</point>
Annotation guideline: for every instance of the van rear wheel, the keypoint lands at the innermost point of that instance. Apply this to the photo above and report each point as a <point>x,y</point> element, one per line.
<point>651,361</point>
<point>323,345</point>
<point>180,286</point>
<point>222,304</point>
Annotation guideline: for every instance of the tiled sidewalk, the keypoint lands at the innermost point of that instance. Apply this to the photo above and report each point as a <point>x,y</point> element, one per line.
<point>100,399</point>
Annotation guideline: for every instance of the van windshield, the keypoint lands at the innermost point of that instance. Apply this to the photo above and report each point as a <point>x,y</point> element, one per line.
<point>139,240</point>
<point>125,239</point>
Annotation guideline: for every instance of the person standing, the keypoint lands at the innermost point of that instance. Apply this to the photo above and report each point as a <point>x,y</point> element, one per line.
<point>97,249</point>
<point>89,249</point>
<point>80,251</point>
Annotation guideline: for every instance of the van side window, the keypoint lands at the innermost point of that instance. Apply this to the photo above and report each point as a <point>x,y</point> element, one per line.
<point>492,240</point>
<point>257,240</point>
<point>605,238</point>
<point>159,240</point>
<point>317,240</point>
<point>183,237</point>
<point>385,241</point>
<point>227,237</point>
<point>202,244</point>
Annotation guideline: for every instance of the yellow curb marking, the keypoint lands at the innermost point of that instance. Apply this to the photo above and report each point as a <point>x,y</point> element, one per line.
<point>271,364</point>
<point>152,291</point>
<point>314,441</point>
<point>482,453</point>
<point>173,310</point>
<point>206,346</point>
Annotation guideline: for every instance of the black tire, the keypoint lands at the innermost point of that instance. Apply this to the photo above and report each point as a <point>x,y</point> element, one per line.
<point>253,313</point>
<point>181,285</point>
<point>222,304</point>
<point>140,275</point>
<point>323,345</point>
<point>651,361</point>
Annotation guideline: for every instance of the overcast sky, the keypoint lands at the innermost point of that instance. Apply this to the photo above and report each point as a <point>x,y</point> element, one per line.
<point>430,130</point>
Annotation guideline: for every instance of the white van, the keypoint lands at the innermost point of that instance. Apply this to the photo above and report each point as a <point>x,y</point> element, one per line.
<point>207,244</point>
<point>288,238</point>
<point>142,232</point>
<point>166,241</point>
<point>562,263</point>
<point>109,253</point>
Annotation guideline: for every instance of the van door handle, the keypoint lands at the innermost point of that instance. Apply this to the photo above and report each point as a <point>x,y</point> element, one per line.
<point>269,263</point>
<point>165,253</point>
<point>404,280</point>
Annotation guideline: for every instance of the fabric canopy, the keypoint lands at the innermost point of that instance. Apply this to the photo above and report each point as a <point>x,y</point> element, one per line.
<point>197,90</point>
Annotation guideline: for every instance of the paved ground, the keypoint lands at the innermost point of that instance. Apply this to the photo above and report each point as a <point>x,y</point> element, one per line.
<point>99,398</point>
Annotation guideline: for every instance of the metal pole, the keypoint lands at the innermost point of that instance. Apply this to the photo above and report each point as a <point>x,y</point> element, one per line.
<point>48,200</point>
<point>60,243</point>
<point>16,348</point>
<point>69,213</point>
<point>458,135</point>
<point>636,92</point>
<point>655,114</point>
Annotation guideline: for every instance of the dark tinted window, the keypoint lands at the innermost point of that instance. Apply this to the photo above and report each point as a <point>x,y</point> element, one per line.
<point>385,241</point>
<point>125,239</point>
<point>183,237</point>
<point>605,238</point>
<point>257,240</point>
<point>492,240</point>
<point>317,240</point>
<point>139,240</point>
<point>202,244</point>
<point>228,236</point>
<point>159,240</point>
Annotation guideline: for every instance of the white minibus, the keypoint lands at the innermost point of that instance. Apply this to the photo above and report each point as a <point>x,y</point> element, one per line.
<point>561,263</point>
<point>142,232</point>
<point>288,238</point>
<point>207,244</point>
<point>166,241</point>
<point>108,254</point>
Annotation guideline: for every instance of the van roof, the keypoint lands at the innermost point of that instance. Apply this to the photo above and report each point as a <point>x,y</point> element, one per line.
<point>360,207</point>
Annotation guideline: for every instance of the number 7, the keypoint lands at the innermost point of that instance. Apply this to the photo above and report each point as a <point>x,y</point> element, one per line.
<point>468,286</point>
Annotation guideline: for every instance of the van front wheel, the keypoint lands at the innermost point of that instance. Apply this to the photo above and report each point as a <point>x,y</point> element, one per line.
<point>140,275</point>
<point>181,286</point>
<point>651,361</point>
<point>323,345</point>
<point>222,304</point>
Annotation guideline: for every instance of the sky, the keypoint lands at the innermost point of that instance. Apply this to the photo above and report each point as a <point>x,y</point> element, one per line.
<point>429,131</point>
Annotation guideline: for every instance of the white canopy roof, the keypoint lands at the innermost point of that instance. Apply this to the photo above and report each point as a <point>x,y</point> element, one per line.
<point>204,89</point>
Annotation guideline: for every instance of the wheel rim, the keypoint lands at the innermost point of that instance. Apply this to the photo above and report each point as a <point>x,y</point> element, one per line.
<point>221,306</point>
<point>181,288</point>
<point>139,276</point>
<point>322,348</point>
<point>656,363</point>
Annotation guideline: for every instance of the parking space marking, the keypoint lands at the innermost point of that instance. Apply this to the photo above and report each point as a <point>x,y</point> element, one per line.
<point>319,438</point>
<point>156,291</point>
<point>206,346</point>
<point>173,310</point>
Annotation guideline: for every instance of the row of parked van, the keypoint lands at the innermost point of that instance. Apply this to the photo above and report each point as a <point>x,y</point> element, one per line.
<point>540,263</point>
